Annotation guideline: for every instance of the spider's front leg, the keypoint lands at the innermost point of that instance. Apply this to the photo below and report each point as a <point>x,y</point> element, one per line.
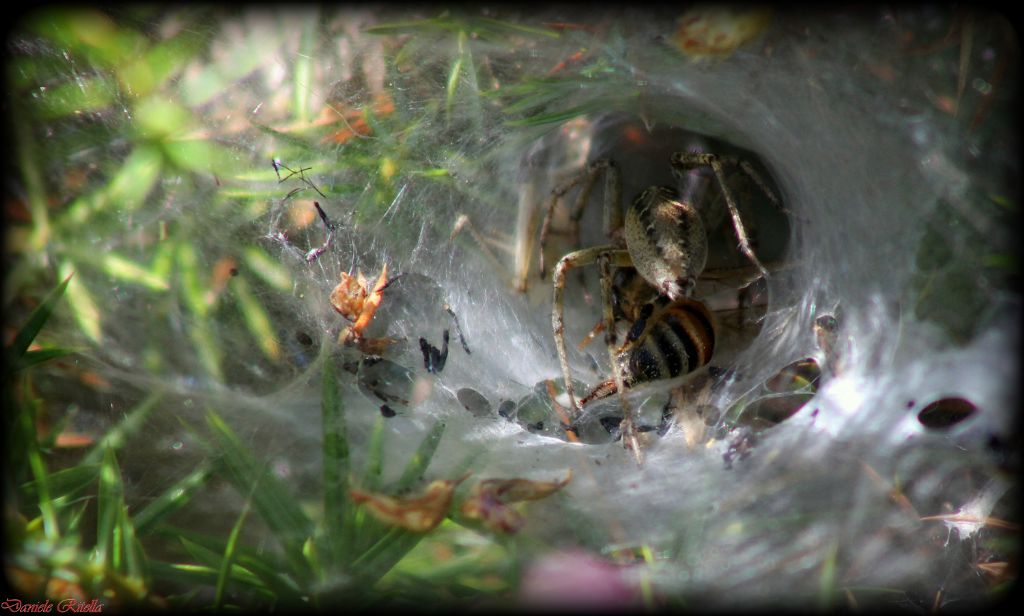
<point>614,256</point>
<point>628,426</point>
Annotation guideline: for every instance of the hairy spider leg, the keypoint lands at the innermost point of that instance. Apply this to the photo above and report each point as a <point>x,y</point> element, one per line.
<point>628,425</point>
<point>616,256</point>
<point>683,161</point>
<point>464,223</point>
<point>586,179</point>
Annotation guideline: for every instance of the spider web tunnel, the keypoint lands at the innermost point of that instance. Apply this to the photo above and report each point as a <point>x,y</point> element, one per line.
<point>869,187</point>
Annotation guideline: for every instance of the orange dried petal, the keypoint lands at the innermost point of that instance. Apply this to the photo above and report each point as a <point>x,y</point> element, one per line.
<point>370,305</point>
<point>515,490</point>
<point>349,296</point>
<point>490,500</point>
<point>418,514</point>
<point>483,505</point>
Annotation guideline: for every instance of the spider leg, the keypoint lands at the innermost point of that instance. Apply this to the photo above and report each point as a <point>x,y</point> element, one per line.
<point>579,258</point>
<point>754,175</point>
<point>686,160</point>
<point>628,427</point>
<point>527,217</point>
<point>612,198</point>
<point>463,223</point>
<point>586,178</point>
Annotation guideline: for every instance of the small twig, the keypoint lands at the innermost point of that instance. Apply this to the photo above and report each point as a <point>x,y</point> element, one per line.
<point>391,281</point>
<point>458,329</point>
<point>301,172</point>
<point>293,192</point>
<point>315,253</point>
<point>563,415</point>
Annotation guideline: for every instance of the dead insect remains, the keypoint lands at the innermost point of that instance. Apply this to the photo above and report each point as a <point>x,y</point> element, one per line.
<point>434,359</point>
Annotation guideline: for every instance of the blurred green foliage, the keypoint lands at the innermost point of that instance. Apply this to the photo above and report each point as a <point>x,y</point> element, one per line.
<point>118,116</point>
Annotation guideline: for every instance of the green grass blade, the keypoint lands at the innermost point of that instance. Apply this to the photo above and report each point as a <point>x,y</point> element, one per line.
<point>31,358</point>
<point>127,189</point>
<point>109,501</point>
<point>498,25</point>
<point>302,80</point>
<point>130,271</point>
<point>273,578</point>
<point>385,554</point>
<point>553,117</point>
<point>65,483</point>
<point>38,468</point>
<point>278,508</point>
<point>131,424</point>
<point>48,441</point>
<point>200,156</point>
<point>474,106</point>
<point>312,555</point>
<point>420,460</point>
<point>134,559</point>
<point>267,269</point>
<point>190,285</point>
<point>162,61</point>
<point>469,461</point>
<point>827,580</point>
<point>81,96</point>
<point>361,530</point>
<point>192,291</point>
<point>83,307</point>
<point>283,137</point>
<point>374,458</point>
<point>431,173</point>
<point>89,33</point>
<point>212,562</point>
<point>228,558</point>
<point>256,318</point>
<point>418,26</point>
<point>255,47</point>
<point>159,119</point>
<point>29,163</point>
<point>76,517</point>
<point>374,538</point>
<point>172,499</point>
<point>336,458</point>
<point>545,94</point>
<point>381,546</point>
<point>204,340</point>
<point>203,576</point>
<point>454,74</point>
<point>270,570</point>
<point>484,27</point>
<point>36,320</point>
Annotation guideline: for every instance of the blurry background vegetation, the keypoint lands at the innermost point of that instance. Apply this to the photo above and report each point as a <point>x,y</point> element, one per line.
<point>144,176</point>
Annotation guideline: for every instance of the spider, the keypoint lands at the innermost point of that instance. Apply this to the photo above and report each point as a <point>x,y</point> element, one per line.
<point>663,236</point>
